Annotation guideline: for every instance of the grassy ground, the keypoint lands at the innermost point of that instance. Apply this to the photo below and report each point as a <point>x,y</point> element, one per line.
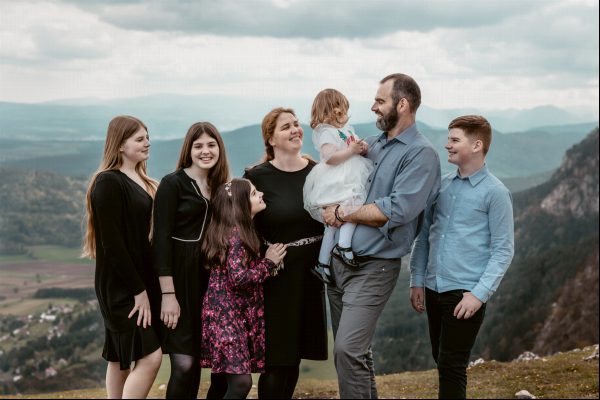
<point>48,254</point>
<point>564,375</point>
<point>48,266</point>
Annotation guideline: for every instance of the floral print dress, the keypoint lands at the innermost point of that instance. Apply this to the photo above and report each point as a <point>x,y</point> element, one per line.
<point>233,326</point>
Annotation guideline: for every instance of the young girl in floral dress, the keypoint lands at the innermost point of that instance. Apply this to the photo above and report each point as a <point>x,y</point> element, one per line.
<point>233,331</point>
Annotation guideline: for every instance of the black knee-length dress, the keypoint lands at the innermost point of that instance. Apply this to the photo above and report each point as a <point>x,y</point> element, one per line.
<point>181,216</point>
<point>295,321</point>
<point>121,215</point>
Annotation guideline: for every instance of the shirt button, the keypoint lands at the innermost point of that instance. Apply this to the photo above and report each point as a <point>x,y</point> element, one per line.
<point>443,235</point>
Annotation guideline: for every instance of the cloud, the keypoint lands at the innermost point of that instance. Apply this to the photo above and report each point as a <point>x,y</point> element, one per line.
<point>463,54</point>
<point>559,40</point>
<point>50,33</point>
<point>303,19</point>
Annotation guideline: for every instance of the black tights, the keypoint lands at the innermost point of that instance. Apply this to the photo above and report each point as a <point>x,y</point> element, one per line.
<point>185,377</point>
<point>229,386</point>
<point>278,382</point>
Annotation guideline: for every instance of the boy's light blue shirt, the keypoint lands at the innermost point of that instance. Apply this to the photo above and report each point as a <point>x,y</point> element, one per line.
<point>467,238</point>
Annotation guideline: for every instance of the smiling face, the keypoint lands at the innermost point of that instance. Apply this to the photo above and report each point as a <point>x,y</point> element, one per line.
<point>288,134</point>
<point>137,147</point>
<point>204,152</point>
<point>385,107</point>
<point>461,149</point>
<point>256,201</point>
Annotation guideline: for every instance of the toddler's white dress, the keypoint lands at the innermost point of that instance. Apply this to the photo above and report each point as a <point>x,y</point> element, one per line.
<point>343,184</point>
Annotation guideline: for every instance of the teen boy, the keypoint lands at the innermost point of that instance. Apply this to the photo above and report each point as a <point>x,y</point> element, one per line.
<point>462,252</point>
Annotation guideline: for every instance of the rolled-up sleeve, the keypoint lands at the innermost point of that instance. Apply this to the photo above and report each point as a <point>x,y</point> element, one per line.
<point>419,257</point>
<point>412,186</point>
<point>501,225</point>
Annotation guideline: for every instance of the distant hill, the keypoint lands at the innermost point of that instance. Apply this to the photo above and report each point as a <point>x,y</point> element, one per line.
<point>520,155</point>
<point>511,120</point>
<point>169,115</point>
<point>39,208</point>
<point>166,115</point>
<point>548,300</point>
<point>521,160</point>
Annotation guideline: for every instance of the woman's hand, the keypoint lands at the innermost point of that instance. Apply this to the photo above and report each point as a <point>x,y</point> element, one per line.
<point>142,307</point>
<point>276,252</point>
<point>169,310</point>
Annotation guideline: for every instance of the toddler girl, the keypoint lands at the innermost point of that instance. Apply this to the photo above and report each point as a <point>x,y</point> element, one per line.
<point>340,177</point>
<point>233,332</point>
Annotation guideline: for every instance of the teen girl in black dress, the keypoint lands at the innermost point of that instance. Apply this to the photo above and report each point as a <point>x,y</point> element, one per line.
<point>119,208</point>
<point>181,216</point>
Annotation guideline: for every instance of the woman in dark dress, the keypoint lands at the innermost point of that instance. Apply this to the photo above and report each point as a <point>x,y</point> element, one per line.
<point>181,217</point>
<point>119,208</point>
<point>295,321</point>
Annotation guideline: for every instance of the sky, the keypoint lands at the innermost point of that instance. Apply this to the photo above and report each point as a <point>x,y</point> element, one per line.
<point>485,54</point>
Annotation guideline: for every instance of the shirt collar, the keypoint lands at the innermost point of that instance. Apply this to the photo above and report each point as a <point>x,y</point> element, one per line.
<point>405,136</point>
<point>475,178</point>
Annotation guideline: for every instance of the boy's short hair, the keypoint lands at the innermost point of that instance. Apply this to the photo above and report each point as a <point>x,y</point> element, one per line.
<point>474,126</point>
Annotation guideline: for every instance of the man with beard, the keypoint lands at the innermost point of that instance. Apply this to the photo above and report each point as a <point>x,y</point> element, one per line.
<point>405,180</point>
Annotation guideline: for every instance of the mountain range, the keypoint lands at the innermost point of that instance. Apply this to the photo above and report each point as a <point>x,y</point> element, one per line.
<point>548,299</point>
<point>515,155</point>
<point>169,115</point>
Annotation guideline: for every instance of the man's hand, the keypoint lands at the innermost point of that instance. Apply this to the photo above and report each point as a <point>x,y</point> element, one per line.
<point>417,299</point>
<point>329,216</point>
<point>467,307</point>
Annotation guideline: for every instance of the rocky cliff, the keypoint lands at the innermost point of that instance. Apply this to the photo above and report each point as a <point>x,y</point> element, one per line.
<point>548,300</point>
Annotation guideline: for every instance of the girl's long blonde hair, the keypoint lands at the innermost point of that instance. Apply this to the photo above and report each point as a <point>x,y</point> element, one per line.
<point>329,106</point>
<point>119,130</point>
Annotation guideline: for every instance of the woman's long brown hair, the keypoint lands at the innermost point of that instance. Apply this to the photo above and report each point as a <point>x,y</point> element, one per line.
<point>230,208</point>
<point>220,172</point>
<point>119,130</point>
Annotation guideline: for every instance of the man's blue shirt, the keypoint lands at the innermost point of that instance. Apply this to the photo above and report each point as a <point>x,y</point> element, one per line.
<point>467,240</point>
<point>405,179</point>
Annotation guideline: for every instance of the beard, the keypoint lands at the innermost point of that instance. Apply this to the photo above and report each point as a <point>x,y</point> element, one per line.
<point>387,122</point>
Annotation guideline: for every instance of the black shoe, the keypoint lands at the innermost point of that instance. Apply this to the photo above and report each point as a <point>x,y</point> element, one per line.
<point>324,273</point>
<point>340,253</point>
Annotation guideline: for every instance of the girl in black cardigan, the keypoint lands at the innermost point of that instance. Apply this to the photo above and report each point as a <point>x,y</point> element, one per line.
<point>181,216</point>
<point>119,207</point>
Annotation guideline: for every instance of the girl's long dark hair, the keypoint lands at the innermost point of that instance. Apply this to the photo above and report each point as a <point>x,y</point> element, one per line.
<point>230,208</point>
